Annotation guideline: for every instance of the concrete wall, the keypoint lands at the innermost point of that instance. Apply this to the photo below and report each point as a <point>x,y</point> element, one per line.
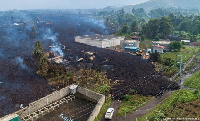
<point>38,104</point>
<point>99,43</point>
<point>96,96</point>
<point>57,95</point>
<point>159,50</point>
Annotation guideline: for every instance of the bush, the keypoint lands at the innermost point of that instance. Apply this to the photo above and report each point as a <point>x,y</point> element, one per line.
<point>126,97</point>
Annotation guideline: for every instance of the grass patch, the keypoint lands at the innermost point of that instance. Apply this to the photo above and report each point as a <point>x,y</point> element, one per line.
<point>190,66</point>
<point>187,53</point>
<point>132,104</point>
<point>172,106</point>
<point>103,109</point>
<point>193,81</point>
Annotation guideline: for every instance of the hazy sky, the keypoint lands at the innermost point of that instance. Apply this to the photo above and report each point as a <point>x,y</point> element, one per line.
<point>63,4</point>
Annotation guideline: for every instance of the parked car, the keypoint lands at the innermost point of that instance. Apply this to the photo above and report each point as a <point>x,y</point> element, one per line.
<point>109,113</point>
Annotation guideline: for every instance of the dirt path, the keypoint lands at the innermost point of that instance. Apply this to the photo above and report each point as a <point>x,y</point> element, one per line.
<point>115,104</point>
<point>146,108</point>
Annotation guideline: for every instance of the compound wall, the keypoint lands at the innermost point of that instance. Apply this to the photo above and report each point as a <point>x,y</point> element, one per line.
<point>96,96</point>
<point>55,96</point>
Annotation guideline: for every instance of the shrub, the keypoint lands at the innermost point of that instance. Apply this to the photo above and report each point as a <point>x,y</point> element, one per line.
<point>126,97</point>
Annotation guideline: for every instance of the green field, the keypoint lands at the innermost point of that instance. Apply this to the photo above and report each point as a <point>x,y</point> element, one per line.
<point>187,53</point>
<point>132,104</point>
<point>180,104</point>
<point>193,81</point>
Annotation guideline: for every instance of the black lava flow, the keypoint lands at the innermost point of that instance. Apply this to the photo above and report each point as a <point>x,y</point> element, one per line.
<point>19,83</point>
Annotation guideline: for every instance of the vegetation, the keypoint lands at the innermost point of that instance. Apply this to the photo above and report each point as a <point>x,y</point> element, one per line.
<point>59,76</point>
<point>103,108</point>
<point>176,45</point>
<point>175,106</point>
<point>132,103</point>
<point>169,60</point>
<point>193,81</point>
<point>38,51</point>
<point>157,24</point>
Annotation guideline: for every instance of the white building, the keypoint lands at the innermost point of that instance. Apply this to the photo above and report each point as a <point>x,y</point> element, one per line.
<point>186,41</point>
<point>158,49</point>
<point>101,41</point>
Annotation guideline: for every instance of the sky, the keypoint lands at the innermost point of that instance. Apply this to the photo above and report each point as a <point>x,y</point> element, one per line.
<point>63,4</point>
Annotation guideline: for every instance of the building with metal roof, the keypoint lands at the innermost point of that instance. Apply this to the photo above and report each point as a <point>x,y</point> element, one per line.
<point>101,41</point>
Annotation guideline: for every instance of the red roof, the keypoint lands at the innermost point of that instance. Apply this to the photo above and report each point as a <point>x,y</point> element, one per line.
<point>134,37</point>
<point>163,47</point>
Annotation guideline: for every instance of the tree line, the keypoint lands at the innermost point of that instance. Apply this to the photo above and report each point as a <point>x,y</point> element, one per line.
<point>158,23</point>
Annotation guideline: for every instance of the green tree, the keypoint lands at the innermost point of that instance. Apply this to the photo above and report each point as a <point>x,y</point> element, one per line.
<point>157,38</point>
<point>134,26</point>
<point>175,45</point>
<point>169,62</point>
<point>43,66</point>
<point>38,51</point>
<point>142,37</point>
<point>165,27</point>
<point>125,29</point>
<point>126,97</point>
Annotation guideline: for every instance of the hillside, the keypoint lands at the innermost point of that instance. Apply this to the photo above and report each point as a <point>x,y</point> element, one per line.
<point>154,4</point>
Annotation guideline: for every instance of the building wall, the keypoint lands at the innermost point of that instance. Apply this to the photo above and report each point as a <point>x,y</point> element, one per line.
<point>96,96</point>
<point>88,41</point>
<point>166,44</point>
<point>159,50</point>
<point>99,43</point>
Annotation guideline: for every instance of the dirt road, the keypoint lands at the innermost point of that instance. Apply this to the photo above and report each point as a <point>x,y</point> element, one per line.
<point>115,104</point>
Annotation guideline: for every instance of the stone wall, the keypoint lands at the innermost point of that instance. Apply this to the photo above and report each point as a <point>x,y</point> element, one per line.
<point>96,96</point>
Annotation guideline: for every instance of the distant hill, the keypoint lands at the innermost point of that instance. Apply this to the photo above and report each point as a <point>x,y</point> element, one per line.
<point>154,4</point>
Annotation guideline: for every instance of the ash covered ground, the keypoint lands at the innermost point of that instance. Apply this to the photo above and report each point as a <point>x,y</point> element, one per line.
<point>19,83</point>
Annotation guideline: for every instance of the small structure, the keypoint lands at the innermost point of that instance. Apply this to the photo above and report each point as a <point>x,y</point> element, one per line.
<point>195,44</point>
<point>149,50</point>
<point>73,88</point>
<point>187,42</point>
<point>130,45</point>
<point>54,57</point>
<point>101,41</point>
<point>158,48</point>
<point>165,43</point>
<point>135,38</point>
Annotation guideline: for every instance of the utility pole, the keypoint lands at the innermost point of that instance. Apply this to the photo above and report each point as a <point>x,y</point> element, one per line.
<point>125,116</point>
<point>181,63</point>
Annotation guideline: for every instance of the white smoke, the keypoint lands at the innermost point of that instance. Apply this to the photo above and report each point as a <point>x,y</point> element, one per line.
<point>49,35</point>
<point>20,62</point>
